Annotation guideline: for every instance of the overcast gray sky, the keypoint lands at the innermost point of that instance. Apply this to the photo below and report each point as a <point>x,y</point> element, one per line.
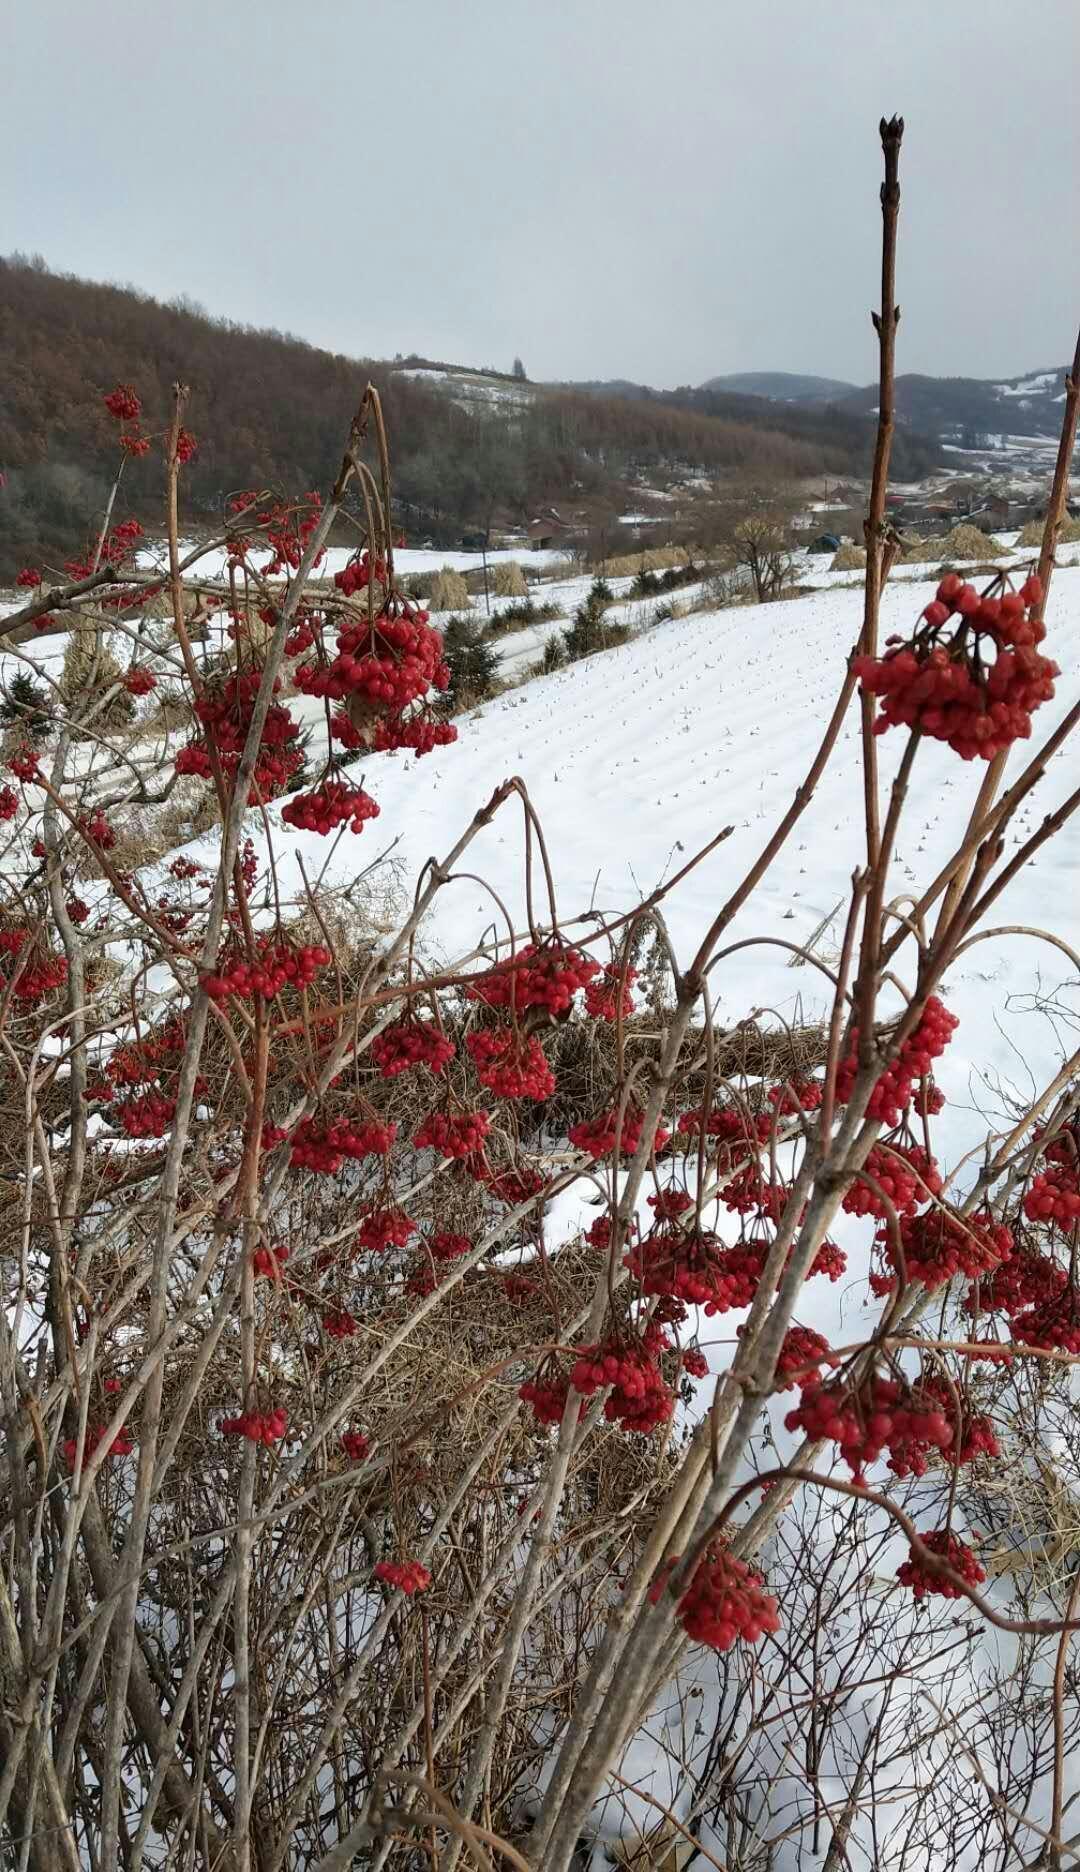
<point>655,189</point>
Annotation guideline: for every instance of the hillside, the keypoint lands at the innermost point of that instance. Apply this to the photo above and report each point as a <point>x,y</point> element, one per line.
<point>270,410</point>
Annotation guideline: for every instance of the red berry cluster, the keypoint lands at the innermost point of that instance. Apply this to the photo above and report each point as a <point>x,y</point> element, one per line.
<point>121,1444</point>
<point>723,1602</point>
<point>1054,1196</point>
<point>796,1095</point>
<point>446,1246</point>
<point>973,1432</point>
<point>77,910</point>
<point>597,1136</point>
<point>453,1134</point>
<point>829,1260</point>
<point>358,574</point>
<point>408,1575</point>
<point>894,1089</point>
<point>802,1350</point>
<point>266,1427</point>
<point>638,1397</point>
<point>269,1262</point>
<point>695,1267</point>
<point>940,1244</point>
<point>1026,1279</point>
<point>149,1115</point>
<point>24,764</point>
<point>610,997</point>
<point>328,806</point>
<point>277,965</point>
<point>356,1445</point>
<point>1054,1326</point>
<point>512,1065</point>
<point>508,1186</point>
<point>949,690</point>
<point>409,1043</point>
<point>546,1396</point>
<point>924,1578</point>
<point>381,1229</point>
<point>878,1416</point>
<point>547,977</point>
<point>694,1363</point>
<point>421,732</point>
<point>324,1147</point>
<point>389,662</point>
<point>339,1323</point>
<point>140,681</point>
<point>740,1134</point>
<point>39,978</point>
<point>97,829</point>
<point>123,404</point>
<point>9,802</point>
<point>225,710</point>
<point>902,1172</point>
<point>29,578</point>
<point>186,445</point>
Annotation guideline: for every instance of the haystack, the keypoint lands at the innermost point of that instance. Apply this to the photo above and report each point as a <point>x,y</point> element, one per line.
<point>1032,534</point>
<point>449,592</point>
<point>90,668</point>
<point>509,580</point>
<point>849,559</point>
<point>655,559</point>
<point>968,542</point>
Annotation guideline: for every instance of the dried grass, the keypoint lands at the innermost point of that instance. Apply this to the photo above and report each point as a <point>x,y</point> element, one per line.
<point>849,559</point>
<point>968,542</point>
<point>1032,533</point>
<point>449,591</point>
<point>509,580</point>
<point>655,559</point>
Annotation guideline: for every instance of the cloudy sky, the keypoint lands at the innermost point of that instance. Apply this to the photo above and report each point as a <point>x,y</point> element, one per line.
<point>656,189</point>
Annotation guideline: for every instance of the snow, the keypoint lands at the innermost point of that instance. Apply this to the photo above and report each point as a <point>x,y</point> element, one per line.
<point>408,560</point>
<point>1030,385</point>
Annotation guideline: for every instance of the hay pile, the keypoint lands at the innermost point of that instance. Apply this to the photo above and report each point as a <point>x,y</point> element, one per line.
<point>968,542</point>
<point>90,668</point>
<point>849,559</point>
<point>449,591</point>
<point>509,580</point>
<point>1068,533</point>
<point>656,559</point>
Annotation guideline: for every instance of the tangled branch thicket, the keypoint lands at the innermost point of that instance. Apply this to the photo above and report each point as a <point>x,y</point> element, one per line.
<point>354,1512</point>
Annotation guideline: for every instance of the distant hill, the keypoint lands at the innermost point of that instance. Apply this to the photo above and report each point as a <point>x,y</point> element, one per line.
<point>967,410</point>
<point>783,386</point>
<point>949,407</point>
